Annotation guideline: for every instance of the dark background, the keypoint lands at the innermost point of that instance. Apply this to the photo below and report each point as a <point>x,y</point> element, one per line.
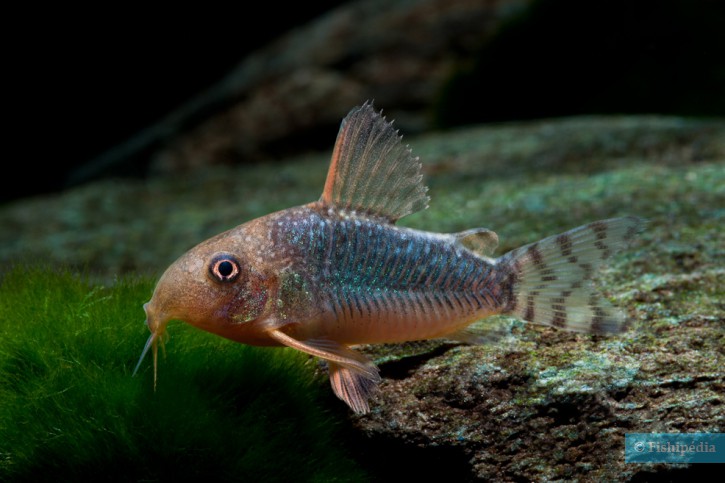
<point>83,81</point>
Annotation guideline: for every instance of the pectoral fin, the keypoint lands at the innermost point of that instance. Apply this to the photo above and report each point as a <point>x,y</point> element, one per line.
<point>352,375</point>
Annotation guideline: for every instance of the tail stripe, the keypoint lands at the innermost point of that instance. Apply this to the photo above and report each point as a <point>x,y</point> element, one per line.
<point>549,281</point>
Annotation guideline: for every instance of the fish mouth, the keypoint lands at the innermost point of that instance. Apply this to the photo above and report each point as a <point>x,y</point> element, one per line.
<point>157,326</point>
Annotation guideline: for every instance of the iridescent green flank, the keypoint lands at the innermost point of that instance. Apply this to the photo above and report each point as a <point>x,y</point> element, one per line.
<point>293,293</point>
<point>544,405</point>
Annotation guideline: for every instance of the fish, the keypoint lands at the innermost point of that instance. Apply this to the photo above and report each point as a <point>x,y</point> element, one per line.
<point>339,272</point>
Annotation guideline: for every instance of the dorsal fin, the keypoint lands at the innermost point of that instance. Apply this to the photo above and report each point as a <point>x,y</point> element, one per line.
<point>372,171</point>
<point>480,241</point>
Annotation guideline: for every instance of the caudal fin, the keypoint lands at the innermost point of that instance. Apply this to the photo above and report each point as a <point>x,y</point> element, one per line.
<point>551,283</point>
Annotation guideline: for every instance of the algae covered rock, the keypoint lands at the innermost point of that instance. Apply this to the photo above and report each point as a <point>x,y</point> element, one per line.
<point>550,405</point>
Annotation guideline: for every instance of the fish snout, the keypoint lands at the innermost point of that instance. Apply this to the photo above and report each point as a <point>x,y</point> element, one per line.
<point>156,321</point>
<point>149,322</point>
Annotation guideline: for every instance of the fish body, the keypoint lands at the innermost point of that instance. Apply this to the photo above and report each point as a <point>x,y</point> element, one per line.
<point>356,280</point>
<point>339,272</point>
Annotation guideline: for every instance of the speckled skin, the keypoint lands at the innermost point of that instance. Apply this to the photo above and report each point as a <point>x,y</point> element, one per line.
<point>338,272</point>
<point>320,273</point>
<point>373,282</point>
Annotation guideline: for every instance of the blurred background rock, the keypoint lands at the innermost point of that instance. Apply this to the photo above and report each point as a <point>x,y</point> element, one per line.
<point>108,93</point>
<point>133,135</point>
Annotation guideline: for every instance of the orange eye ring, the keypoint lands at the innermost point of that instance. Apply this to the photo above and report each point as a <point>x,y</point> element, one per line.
<point>224,268</point>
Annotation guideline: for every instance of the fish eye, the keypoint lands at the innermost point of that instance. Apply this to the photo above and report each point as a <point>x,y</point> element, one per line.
<point>224,268</point>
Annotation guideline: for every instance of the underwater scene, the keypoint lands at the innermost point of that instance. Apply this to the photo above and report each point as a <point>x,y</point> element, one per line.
<point>266,283</point>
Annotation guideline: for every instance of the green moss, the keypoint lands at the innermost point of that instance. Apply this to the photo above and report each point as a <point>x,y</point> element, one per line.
<point>70,409</point>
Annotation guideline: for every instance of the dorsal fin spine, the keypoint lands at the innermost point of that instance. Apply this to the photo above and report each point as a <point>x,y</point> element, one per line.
<point>371,171</point>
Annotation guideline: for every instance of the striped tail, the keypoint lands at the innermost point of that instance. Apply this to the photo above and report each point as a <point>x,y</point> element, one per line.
<point>550,280</point>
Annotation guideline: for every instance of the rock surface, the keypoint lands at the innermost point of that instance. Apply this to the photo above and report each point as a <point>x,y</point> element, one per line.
<point>541,404</point>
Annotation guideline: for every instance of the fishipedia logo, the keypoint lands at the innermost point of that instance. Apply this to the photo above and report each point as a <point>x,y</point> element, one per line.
<point>674,448</point>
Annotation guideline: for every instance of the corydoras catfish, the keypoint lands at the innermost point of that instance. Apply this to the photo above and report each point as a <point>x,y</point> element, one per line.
<point>337,272</point>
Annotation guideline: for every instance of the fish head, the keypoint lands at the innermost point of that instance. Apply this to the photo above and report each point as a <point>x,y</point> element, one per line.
<point>215,287</point>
